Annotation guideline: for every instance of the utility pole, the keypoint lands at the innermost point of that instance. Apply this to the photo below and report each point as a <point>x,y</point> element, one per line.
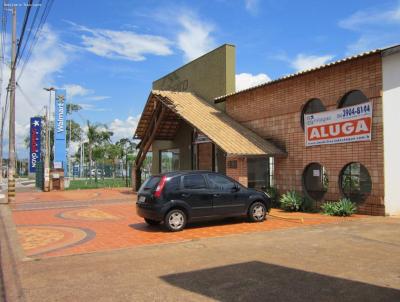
<point>46,155</point>
<point>11,131</point>
<point>1,143</point>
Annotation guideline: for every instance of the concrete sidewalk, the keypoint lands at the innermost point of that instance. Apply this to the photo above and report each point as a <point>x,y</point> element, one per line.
<point>353,261</point>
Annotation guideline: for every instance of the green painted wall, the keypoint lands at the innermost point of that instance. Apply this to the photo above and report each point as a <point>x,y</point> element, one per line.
<point>208,76</point>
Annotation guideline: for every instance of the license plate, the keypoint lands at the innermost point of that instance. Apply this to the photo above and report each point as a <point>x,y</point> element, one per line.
<point>142,199</point>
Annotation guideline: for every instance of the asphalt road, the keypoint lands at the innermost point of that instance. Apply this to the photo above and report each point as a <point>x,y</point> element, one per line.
<point>352,261</point>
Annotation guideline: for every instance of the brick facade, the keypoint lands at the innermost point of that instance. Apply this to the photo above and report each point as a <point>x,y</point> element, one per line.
<point>239,172</point>
<point>273,111</point>
<point>205,153</point>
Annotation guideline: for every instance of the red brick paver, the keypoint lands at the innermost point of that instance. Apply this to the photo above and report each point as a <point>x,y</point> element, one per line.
<point>58,231</point>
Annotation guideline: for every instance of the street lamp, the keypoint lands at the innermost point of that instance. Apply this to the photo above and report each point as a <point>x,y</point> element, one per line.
<point>47,156</point>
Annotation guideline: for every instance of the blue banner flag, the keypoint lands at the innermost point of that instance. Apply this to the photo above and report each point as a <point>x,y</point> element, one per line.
<point>34,146</point>
<point>60,144</point>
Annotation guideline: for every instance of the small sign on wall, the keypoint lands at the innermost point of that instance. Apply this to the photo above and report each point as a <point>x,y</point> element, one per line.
<point>232,164</point>
<point>316,173</point>
<point>345,125</point>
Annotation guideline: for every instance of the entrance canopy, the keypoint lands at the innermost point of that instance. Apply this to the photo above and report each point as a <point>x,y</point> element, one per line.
<point>164,111</point>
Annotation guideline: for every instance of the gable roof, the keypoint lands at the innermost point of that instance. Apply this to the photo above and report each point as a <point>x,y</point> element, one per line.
<point>224,131</point>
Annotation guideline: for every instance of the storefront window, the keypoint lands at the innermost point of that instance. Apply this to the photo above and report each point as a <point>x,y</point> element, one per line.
<point>260,172</point>
<point>355,182</point>
<point>169,160</point>
<point>312,106</point>
<point>315,181</point>
<point>353,98</point>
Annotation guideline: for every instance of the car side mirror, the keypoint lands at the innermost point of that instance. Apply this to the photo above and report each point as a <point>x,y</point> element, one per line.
<point>235,188</point>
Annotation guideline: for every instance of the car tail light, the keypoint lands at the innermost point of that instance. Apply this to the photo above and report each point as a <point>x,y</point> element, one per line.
<point>160,186</point>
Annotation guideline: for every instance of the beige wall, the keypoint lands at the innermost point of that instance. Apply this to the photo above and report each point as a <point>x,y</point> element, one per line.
<point>391,109</point>
<point>208,76</point>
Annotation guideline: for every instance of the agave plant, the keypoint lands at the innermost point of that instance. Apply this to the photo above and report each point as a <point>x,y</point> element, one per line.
<point>343,207</point>
<point>291,201</point>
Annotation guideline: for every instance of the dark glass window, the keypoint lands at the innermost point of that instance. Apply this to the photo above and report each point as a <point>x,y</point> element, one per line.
<point>194,181</point>
<point>260,172</point>
<point>220,183</point>
<point>173,183</point>
<point>352,98</point>
<point>315,181</point>
<point>355,182</point>
<point>312,106</point>
<point>150,183</point>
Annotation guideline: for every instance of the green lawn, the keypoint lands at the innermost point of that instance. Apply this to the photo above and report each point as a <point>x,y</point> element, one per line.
<point>92,184</point>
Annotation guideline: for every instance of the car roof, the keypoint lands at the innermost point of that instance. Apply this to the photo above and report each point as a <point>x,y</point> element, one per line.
<point>177,173</point>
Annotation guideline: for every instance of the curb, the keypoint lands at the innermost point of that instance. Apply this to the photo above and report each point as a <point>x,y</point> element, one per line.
<point>11,255</point>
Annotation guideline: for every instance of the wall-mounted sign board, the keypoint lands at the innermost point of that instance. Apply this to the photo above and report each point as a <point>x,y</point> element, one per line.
<point>344,125</point>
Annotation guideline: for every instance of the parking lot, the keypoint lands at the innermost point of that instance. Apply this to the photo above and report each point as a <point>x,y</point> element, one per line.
<point>86,221</point>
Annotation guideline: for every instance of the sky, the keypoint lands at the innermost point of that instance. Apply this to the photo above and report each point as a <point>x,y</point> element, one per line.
<point>108,53</point>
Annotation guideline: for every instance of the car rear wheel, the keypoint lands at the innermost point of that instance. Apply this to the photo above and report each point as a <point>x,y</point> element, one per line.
<point>175,220</point>
<point>257,212</point>
<point>152,222</point>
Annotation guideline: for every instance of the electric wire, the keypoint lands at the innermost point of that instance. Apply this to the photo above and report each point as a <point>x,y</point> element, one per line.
<point>31,27</point>
<point>23,30</point>
<point>36,36</point>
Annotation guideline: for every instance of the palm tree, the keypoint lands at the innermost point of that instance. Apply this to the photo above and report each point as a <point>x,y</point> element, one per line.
<point>126,146</point>
<point>97,135</point>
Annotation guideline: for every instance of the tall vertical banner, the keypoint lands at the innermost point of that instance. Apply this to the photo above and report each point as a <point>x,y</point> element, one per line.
<point>60,143</point>
<point>34,146</point>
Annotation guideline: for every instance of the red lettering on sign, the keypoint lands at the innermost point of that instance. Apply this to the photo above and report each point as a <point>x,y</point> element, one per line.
<point>343,129</point>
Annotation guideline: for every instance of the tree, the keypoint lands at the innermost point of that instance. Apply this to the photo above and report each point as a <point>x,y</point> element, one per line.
<point>127,146</point>
<point>97,135</point>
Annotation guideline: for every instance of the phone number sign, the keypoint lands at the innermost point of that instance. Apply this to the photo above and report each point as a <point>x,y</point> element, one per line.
<point>345,125</point>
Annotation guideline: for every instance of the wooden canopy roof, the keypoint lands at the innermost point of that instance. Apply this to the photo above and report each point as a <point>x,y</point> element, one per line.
<point>168,109</point>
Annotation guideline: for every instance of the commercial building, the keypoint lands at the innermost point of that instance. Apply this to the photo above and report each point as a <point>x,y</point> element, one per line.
<point>328,132</point>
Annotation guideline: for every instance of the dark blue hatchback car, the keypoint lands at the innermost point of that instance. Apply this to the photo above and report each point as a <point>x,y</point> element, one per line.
<point>178,197</point>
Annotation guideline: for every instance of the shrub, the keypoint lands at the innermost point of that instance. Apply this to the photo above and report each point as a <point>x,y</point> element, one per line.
<point>308,205</point>
<point>291,201</point>
<point>343,207</point>
<point>273,193</point>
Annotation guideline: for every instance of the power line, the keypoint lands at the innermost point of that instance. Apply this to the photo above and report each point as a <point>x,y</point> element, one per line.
<point>37,34</point>
<point>31,28</point>
<point>23,30</point>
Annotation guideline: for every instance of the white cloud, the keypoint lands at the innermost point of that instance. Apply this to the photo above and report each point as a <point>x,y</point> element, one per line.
<point>74,90</point>
<point>304,62</point>
<point>47,60</point>
<point>97,98</point>
<point>92,107</point>
<point>123,128</point>
<point>376,28</point>
<point>195,37</point>
<point>359,20</point>
<point>251,5</point>
<point>247,80</point>
<point>126,45</point>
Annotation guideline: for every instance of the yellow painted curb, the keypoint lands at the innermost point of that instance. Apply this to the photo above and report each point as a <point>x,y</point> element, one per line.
<point>301,219</point>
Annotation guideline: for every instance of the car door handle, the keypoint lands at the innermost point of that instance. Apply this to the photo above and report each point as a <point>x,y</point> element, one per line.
<point>217,195</point>
<point>185,195</point>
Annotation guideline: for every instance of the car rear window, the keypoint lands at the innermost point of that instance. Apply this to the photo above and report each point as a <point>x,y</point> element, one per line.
<point>150,184</point>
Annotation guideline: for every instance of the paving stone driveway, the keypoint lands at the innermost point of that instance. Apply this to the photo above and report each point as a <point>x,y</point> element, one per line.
<point>75,222</point>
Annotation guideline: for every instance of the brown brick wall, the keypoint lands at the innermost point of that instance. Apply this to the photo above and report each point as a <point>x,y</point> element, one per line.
<point>273,111</point>
<point>205,156</point>
<point>240,172</point>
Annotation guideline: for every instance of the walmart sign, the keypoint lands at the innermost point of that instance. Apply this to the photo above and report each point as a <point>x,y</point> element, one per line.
<point>60,144</point>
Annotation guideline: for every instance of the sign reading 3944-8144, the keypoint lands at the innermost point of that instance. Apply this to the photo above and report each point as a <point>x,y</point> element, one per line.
<point>345,125</point>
